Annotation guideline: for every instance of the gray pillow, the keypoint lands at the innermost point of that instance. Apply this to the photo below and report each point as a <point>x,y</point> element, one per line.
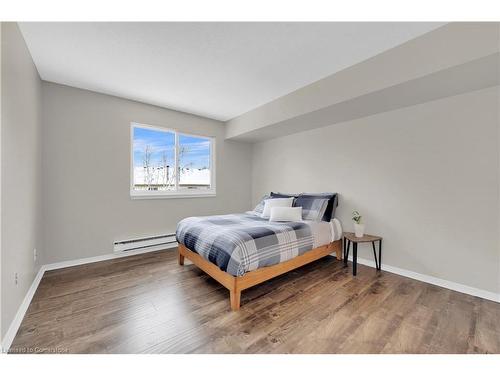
<point>283,195</point>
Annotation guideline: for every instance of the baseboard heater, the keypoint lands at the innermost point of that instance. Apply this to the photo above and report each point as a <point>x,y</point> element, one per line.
<point>167,240</point>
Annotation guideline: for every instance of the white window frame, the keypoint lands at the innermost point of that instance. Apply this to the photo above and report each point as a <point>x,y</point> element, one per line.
<point>183,193</point>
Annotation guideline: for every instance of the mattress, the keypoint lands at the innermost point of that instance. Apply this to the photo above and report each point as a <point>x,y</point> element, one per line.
<point>240,243</point>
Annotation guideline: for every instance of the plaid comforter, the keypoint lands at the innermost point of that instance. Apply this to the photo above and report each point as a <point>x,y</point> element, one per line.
<point>239,243</point>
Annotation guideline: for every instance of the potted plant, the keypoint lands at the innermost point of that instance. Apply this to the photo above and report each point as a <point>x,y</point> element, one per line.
<point>359,228</point>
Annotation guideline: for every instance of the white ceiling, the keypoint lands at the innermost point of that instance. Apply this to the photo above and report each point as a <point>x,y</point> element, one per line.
<point>216,70</point>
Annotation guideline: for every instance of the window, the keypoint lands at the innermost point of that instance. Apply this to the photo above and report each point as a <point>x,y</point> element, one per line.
<point>167,163</point>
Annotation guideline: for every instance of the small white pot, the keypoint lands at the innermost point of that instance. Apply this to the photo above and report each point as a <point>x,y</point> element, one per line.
<point>359,230</point>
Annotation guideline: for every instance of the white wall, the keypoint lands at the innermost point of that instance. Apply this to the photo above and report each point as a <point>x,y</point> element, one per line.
<point>20,170</point>
<point>424,177</point>
<point>86,178</point>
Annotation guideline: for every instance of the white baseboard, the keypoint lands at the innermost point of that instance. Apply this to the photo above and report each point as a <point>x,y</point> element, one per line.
<point>21,311</point>
<point>433,280</point>
<point>18,318</point>
<point>100,258</point>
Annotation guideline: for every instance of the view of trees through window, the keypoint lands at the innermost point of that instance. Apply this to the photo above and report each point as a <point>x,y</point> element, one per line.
<point>165,160</point>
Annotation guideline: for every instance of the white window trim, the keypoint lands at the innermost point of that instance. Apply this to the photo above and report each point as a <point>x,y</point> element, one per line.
<point>144,194</point>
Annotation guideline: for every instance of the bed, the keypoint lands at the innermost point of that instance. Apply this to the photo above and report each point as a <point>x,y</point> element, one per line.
<point>243,250</point>
<point>241,243</point>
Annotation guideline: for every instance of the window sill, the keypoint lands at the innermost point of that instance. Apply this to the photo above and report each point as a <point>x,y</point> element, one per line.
<point>136,195</point>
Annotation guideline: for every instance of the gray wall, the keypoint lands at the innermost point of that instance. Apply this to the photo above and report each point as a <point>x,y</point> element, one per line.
<point>86,181</point>
<point>424,177</point>
<point>20,170</point>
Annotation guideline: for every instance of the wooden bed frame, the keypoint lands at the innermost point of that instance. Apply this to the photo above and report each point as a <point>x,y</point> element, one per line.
<point>237,284</point>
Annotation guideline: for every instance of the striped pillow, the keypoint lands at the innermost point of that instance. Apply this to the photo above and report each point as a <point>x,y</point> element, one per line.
<point>260,207</point>
<point>313,208</point>
<point>332,203</point>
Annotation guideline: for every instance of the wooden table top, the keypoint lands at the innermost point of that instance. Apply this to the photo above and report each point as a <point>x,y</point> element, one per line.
<point>366,238</point>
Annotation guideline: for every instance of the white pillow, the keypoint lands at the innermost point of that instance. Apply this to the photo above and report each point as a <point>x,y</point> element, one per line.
<point>286,214</point>
<point>275,202</point>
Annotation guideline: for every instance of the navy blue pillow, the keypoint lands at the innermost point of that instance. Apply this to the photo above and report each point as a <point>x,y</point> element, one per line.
<point>330,208</point>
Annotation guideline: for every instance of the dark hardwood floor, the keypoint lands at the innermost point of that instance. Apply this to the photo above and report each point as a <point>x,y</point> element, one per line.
<point>148,303</point>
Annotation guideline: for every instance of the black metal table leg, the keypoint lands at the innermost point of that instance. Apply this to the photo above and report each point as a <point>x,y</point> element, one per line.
<point>379,255</point>
<point>354,258</point>
<point>375,255</point>
<point>346,255</point>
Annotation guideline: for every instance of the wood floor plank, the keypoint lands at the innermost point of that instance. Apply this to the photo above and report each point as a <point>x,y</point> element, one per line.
<point>149,304</point>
